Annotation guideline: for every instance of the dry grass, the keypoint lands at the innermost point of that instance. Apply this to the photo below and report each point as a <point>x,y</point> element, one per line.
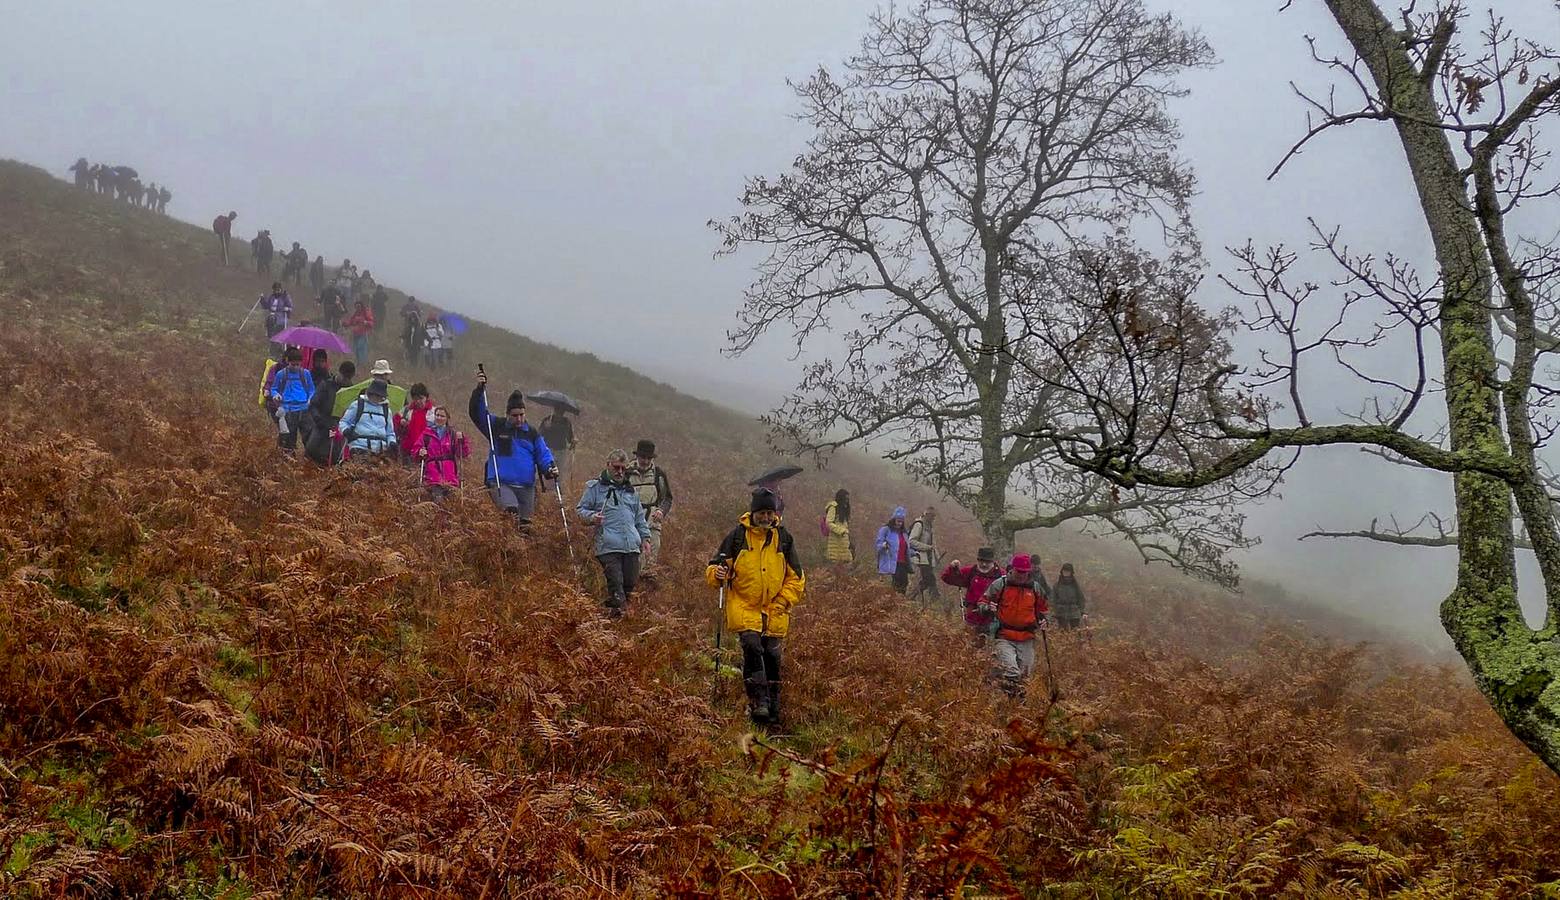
<point>225,674</point>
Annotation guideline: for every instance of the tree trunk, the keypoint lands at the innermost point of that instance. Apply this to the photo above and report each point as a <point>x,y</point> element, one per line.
<point>1514,666</point>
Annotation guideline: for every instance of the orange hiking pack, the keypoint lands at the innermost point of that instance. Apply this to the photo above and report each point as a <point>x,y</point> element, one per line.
<point>1019,609</point>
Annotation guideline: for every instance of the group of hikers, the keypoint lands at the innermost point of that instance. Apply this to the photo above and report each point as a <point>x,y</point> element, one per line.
<point>355,303</point>
<point>755,567</point>
<point>120,182</point>
<point>346,421</point>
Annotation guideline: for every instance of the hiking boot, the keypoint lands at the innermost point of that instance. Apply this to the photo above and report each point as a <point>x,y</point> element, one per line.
<point>759,713</point>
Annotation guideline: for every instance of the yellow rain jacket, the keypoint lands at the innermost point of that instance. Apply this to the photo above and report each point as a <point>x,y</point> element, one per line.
<point>766,579</point>
<point>838,548</point>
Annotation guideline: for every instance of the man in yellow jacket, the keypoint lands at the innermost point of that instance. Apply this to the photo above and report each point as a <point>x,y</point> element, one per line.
<point>757,563</point>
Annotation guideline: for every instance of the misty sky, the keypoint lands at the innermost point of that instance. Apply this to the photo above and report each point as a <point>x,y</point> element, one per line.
<point>551,167</point>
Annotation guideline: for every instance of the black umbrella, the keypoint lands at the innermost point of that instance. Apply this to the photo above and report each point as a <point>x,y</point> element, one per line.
<point>127,171</point>
<point>778,473</point>
<point>556,400</point>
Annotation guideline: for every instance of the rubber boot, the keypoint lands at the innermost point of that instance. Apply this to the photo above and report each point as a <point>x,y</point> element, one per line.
<point>758,702</point>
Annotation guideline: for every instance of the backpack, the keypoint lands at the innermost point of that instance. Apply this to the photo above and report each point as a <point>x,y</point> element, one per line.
<point>383,413</point>
<point>1016,609</point>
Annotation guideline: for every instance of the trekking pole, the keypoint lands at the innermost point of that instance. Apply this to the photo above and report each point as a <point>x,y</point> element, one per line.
<point>720,632</point>
<point>487,421</point>
<point>1050,673</point>
<point>250,313</point>
<point>567,538</point>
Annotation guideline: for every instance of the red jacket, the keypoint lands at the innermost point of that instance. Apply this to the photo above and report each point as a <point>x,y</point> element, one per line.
<point>410,423</point>
<point>361,322</point>
<point>974,583</point>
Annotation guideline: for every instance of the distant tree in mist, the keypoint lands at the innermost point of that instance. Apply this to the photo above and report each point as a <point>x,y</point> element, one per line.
<point>966,166</point>
<point>1472,104</point>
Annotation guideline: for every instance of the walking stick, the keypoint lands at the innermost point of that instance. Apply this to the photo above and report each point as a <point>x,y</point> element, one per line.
<point>488,423</point>
<point>720,632</point>
<point>1050,674</point>
<point>567,538</point>
<point>250,313</point>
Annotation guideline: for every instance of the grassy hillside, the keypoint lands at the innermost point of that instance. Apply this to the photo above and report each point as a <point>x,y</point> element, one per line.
<point>223,674</point>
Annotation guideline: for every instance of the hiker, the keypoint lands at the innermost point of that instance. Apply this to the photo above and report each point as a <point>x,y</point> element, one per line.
<point>1067,599</point>
<point>975,579</point>
<point>80,169</point>
<point>757,564</point>
<point>361,324</point>
<point>333,307</point>
<point>264,250</point>
<point>291,390</point>
<point>433,340</point>
<point>344,277</point>
<point>321,441</point>
<point>318,365</point>
<point>366,426</point>
<point>923,555</point>
<point>222,227</point>
<point>559,432</point>
<point>611,506</point>
<point>836,528</point>
<point>440,449</point>
<point>518,452</point>
<point>294,261</point>
<point>362,285</point>
<point>317,275</point>
<point>412,420</point>
<point>1018,607</point>
<point>278,308</point>
<point>655,493</point>
<point>163,196</point>
<point>893,551</point>
<point>378,304</point>
<point>411,329</point>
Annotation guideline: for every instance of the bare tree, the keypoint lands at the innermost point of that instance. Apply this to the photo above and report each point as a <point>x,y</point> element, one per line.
<point>967,142</point>
<point>1469,101</point>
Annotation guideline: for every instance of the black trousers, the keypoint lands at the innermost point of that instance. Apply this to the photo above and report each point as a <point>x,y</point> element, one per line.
<point>901,577</point>
<point>761,654</point>
<point>622,571</point>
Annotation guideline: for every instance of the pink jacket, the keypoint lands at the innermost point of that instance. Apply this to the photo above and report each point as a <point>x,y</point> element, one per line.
<point>442,465</point>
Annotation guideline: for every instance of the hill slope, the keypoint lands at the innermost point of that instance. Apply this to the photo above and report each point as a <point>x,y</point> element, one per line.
<point>225,674</point>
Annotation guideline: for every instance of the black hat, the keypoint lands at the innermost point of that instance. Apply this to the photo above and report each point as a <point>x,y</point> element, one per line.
<point>763,498</point>
<point>645,449</point>
<point>986,554</point>
<point>378,388</point>
<point>516,401</point>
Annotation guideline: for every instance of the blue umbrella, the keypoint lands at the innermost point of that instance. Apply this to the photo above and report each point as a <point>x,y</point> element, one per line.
<point>454,323</point>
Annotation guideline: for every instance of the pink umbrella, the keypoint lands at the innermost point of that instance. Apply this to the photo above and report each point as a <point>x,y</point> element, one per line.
<point>310,336</point>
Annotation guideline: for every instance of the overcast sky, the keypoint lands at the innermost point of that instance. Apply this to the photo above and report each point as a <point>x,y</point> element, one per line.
<point>551,167</point>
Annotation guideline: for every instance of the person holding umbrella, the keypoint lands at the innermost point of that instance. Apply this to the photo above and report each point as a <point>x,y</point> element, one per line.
<point>757,564</point>
<point>557,428</point>
<point>517,453</point>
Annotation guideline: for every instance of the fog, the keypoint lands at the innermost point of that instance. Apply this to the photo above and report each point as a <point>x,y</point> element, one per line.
<point>551,167</point>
